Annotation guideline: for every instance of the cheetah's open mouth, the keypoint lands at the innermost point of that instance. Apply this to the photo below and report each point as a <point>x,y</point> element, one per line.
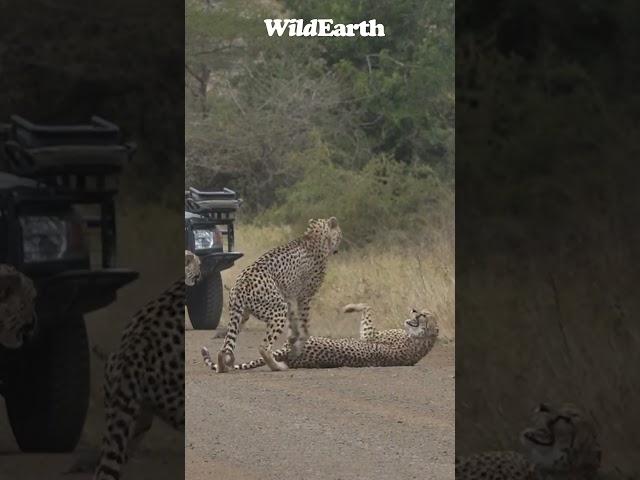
<point>540,436</point>
<point>413,322</point>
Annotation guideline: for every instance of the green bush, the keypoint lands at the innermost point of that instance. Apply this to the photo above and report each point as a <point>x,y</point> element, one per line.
<point>382,198</point>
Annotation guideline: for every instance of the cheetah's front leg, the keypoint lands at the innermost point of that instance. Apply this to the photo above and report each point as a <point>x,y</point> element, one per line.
<point>299,329</point>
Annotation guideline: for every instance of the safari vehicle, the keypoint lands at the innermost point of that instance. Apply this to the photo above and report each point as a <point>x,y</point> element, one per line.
<point>208,217</point>
<point>57,226</point>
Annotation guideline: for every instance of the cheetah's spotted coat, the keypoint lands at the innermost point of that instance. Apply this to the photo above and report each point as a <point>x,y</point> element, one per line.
<point>17,307</point>
<point>283,279</point>
<point>397,347</point>
<point>144,377</point>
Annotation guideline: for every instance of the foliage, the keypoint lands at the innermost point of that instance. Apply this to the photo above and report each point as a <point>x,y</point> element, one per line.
<point>360,128</point>
<point>384,195</point>
<point>405,80</point>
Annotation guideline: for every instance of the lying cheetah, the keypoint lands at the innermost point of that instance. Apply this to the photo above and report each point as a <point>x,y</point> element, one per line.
<point>282,279</point>
<point>369,332</point>
<point>395,347</point>
<point>145,377</point>
<point>17,307</point>
<point>560,444</point>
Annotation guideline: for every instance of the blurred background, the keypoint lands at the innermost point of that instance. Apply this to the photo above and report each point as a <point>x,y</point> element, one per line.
<point>547,111</point>
<point>359,128</point>
<point>122,61</point>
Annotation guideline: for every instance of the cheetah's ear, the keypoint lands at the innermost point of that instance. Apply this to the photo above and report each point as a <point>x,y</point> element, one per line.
<point>333,222</point>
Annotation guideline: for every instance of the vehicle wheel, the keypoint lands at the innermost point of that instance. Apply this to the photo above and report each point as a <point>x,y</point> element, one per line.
<point>204,301</point>
<point>48,389</point>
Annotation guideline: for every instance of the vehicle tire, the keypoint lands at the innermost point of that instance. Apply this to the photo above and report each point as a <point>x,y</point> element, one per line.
<point>204,301</point>
<point>48,389</point>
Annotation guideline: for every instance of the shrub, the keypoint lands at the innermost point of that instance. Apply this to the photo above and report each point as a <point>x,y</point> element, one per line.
<point>384,197</point>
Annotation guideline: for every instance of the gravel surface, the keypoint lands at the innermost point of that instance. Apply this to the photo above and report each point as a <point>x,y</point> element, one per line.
<point>147,465</point>
<point>330,424</point>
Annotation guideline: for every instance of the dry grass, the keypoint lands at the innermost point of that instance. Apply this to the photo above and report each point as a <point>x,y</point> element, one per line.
<point>390,277</point>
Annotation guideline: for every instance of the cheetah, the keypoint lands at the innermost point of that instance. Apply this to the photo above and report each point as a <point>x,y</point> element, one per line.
<point>560,444</point>
<point>369,332</point>
<point>397,347</point>
<point>283,279</point>
<point>191,268</point>
<point>17,307</point>
<point>144,377</point>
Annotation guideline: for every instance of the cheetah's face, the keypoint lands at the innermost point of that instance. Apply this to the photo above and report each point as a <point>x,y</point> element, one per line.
<point>191,268</point>
<point>17,308</point>
<point>561,440</point>
<point>421,324</point>
<point>335,235</point>
<point>328,230</point>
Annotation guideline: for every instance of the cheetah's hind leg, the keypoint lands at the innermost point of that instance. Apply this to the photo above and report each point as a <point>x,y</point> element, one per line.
<point>226,360</point>
<point>275,365</point>
<point>238,316</point>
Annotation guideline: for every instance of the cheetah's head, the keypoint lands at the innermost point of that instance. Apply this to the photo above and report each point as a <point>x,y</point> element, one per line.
<point>562,440</point>
<point>326,233</point>
<point>421,324</point>
<point>17,307</point>
<point>191,268</point>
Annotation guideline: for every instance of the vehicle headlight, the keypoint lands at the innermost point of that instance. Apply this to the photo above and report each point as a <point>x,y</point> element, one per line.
<point>204,239</point>
<point>50,238</point>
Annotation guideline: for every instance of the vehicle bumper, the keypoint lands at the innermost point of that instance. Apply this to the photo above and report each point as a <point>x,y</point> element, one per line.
<point>80,291</point>
<point>216,262</point>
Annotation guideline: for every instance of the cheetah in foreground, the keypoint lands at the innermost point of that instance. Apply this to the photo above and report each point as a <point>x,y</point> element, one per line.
<point>145,377</point>
<point>397,347</point>
<point>17,307</point>
<point>282,280</point>
<point>561,444</point>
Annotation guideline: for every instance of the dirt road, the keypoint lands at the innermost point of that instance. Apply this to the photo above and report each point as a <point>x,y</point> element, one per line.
<point>339,424</point>
<point>146,465</point>
<point>157,458</point>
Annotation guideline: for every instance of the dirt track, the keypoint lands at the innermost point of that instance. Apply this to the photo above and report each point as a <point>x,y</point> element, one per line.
<point>340,424</point>
<point>146,465</point>
<point>154,460</point>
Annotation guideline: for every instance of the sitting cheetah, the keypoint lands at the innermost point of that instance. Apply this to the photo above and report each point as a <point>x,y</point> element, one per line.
<point>398,347</point>
<point>191,268</point>
<point>560,444</point>
<point>17,307</point>
<point>282,279</point>
<point>145,377</point>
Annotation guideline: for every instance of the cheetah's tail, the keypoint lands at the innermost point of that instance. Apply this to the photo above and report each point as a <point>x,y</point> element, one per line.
<point>355,307</point>
<point>206,356</point>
